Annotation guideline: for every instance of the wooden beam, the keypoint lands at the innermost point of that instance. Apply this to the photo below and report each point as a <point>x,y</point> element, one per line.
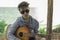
<point>49,19</point>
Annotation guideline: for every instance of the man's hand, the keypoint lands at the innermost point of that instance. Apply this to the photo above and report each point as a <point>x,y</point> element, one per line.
<point>19,39</point>
<point>37,37</point>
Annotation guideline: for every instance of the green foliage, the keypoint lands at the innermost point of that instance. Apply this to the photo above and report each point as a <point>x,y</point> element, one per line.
<point>42,31</point>
<point>2,26</point>
<point>57,29</point>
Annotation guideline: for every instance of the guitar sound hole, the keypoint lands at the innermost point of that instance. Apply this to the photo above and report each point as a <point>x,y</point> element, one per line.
<point>21,34</point>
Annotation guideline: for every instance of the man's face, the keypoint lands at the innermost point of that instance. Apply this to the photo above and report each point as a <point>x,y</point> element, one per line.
<point>25,12</point>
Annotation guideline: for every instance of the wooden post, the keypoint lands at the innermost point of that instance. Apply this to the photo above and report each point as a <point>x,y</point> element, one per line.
<point>49,19</point>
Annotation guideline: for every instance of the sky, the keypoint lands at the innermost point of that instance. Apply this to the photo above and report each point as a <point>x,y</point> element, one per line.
<point>40,8</point>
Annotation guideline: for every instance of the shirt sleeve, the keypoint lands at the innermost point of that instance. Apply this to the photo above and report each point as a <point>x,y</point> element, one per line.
<point>13,27</point>
<point>36,27</point>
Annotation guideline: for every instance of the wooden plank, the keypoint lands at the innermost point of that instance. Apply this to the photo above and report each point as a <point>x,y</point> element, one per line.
<point>49,19</point>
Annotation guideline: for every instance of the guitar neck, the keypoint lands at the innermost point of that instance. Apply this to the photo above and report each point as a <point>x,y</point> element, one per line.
<point>33,35</point>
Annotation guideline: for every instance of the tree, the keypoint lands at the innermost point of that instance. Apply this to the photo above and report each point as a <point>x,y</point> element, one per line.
<point>2,26</point>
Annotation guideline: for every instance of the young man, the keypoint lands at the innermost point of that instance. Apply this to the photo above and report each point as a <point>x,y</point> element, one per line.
<point>25,19</point>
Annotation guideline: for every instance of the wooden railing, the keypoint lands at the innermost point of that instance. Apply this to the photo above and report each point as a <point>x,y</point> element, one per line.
<point>54,36</point>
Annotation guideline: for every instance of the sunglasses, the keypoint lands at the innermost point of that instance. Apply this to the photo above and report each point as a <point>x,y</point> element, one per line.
<point>27,11</point>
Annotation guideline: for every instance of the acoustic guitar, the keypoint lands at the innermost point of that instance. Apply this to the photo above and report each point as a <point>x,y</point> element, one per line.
<point>24,33</point>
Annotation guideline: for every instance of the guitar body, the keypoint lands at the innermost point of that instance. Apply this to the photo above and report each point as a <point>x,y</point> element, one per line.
<point>20,33</point>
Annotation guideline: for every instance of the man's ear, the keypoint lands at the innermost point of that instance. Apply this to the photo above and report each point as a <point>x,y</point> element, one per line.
<point>28,7</point>
<point>20,9</point>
